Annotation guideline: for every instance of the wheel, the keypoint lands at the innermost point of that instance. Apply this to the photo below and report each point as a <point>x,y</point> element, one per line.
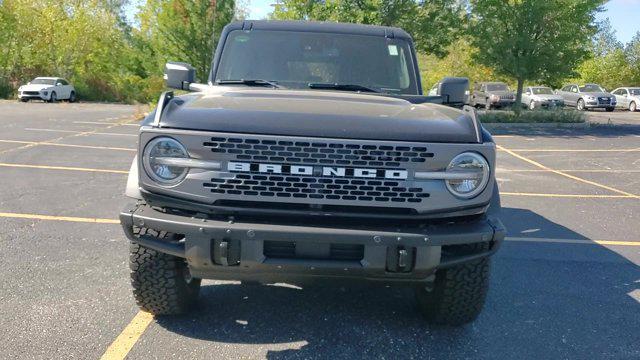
<point>532,105</point>
<point>162,284</point>
<point>632,106</point>
<point>487,105</point>
<point>24,100</point>
<point>53,98</point>
<point>72,97</point>
<point>458,293</point>
<point>610,109</point>
<point>580,106</point>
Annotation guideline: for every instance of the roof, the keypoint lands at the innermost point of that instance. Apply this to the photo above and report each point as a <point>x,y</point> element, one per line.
<point>47,77</point>
<point>320,26</point>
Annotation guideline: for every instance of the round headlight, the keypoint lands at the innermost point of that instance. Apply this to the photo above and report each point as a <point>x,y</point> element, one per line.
<point>161,148</point>
<point>473,171</point>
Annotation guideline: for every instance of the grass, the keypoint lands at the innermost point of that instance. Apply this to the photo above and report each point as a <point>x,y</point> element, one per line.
<point>534,116</point>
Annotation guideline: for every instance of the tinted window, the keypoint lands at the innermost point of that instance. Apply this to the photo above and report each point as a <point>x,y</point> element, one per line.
<point>542,91</point>
<point>591,88</point>
<point>634,91</point>
<point>44,81</point>
<point>497,87</point>
<point>63,81</point>
<point>295,59</point>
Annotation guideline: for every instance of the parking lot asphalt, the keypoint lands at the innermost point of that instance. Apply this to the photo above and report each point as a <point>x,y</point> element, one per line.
<point>566,283</point>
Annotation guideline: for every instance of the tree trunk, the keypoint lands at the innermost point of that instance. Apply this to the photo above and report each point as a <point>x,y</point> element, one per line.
<point>517,106</point>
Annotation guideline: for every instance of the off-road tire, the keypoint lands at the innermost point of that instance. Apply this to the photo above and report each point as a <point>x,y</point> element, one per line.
<point>458,293</point>
<point>161,282</point>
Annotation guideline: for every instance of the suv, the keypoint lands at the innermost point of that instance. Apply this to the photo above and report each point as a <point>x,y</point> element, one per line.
<point>588,96</point>
<point>312,153</point>
<point>492,95</point>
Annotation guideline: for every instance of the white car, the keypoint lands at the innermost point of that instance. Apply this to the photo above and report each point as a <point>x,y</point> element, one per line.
<point>628,97</point>
<point>49,89</point>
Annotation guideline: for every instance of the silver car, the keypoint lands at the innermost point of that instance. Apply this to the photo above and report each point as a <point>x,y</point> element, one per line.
<point>588,96</point>
<point>628,97</point>
<point>535,97</point>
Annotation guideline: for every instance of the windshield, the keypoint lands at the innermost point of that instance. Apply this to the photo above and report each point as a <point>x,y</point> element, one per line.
<point>497,87</point>
<point>43,81</point>
<point>542,91</point>
<point>591,88</point>
<point>634,92</point>
<point>296,59</point>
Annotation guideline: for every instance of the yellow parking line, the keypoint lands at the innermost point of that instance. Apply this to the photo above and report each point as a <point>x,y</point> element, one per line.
<point>67,145</point>
<point>576,150</point>
<point>81,133</point>
<point>58,218</point>
<point>593,183</point>
<point>573,241</point>
<point>579,196</point>
<point>46,167</point>
<point>128,337</point>
<point>576,171</point>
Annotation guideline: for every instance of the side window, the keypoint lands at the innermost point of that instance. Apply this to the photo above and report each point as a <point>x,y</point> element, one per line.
<point>63,81</point>
<point>624,92</point>
<point>566,88</point>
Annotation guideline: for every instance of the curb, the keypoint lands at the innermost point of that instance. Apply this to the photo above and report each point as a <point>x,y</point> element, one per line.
<point>534,126</point>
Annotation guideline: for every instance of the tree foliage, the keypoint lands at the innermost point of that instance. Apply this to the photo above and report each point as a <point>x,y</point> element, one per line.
<point>532,40</point>
<point>433,24</point>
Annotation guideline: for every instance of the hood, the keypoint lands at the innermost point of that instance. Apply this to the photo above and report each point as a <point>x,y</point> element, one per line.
<point>548,97</point>
<point>598,94</point>
<point>35,87</point>
<point>327,114</point>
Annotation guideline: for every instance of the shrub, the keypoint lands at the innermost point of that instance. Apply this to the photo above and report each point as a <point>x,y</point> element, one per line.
<point>535,116</point>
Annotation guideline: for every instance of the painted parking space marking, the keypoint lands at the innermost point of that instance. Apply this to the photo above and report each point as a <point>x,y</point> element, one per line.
<point>81,132</point>
<point>561,173</point>
<point>573,241</point>
<point>575,196</point>
<point>58,218</point>
<point>44,143</point>
<point>67,168</point>
<point>121,346</point>
<point>575,150</point>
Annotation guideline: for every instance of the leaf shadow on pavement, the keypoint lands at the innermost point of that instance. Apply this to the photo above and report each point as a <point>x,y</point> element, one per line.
<point>545,301</point>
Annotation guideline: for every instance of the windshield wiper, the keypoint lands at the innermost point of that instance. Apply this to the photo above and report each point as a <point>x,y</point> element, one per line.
<point>249,82</point>
<point>344,87</point>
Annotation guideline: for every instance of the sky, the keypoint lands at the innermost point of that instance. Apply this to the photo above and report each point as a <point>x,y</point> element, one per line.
<point>623,14</point>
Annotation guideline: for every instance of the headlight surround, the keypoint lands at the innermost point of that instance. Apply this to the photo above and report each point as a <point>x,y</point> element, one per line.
<point>164,147</point>
<point>471,187</point>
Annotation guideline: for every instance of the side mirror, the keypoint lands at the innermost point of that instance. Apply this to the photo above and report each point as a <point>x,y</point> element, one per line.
<point>178,75</point>
<point>453,90</point>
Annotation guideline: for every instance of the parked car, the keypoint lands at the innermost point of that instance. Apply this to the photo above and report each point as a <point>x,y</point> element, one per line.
<point>436,88</point>
<point>587,96</point>
<point>49,89</point>
<point>627,97</point>
<point>492,95</point>
<point>535,97</point>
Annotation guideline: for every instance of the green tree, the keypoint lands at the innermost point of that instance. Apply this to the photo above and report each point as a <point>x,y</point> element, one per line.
<point>184,30</point>
<point>532,40</point>
<point>433,24</point>
<point>611,70</point>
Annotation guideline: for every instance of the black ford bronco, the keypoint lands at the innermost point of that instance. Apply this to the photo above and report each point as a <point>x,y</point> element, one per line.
<point>311,152</point>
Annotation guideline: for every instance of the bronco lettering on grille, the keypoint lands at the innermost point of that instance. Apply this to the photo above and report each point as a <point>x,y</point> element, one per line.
<point>329,171</point>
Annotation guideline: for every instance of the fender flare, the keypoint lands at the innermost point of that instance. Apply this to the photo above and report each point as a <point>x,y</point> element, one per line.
<point>133,188</point>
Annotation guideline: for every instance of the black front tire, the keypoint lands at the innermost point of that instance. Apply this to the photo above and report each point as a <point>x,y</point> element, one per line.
<point>610,109</point>
<point>162,284</point>
<point>24,100</point>
<point>458,294</point>
<point>53,98</point>
<point>72,97</point>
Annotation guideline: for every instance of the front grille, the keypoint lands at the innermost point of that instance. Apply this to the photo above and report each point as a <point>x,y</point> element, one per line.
<point>322,153</point>
<point>30,93</point>
<point>289,250</point>
<point>506,97</point>
<point>604,100</point>
<point>316,188</point>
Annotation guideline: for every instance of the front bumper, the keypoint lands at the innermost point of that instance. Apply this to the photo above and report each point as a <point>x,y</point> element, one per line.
<point>589,104</point>
<point>39,96</point>
<point>239,250</point>
<point>502,102</point>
